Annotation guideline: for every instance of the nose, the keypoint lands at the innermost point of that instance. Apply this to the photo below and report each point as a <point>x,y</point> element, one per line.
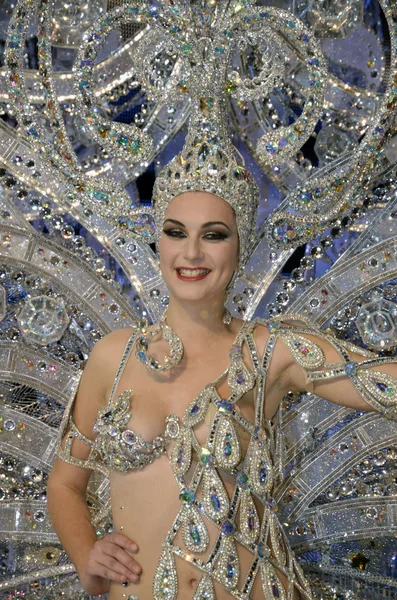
<point>192,250</point>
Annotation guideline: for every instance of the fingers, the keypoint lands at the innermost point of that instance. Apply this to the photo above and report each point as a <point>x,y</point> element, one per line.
<point>123,541</point>
<point>118,555</point>
<point>109,560</point>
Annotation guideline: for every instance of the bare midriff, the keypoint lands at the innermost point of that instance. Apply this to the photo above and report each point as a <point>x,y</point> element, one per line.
<point>145,504</point>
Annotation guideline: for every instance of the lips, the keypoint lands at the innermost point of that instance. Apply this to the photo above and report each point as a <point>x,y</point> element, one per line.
<point>188,274</point>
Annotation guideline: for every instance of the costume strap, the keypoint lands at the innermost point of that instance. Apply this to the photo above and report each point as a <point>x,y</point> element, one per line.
<point>124,359</point>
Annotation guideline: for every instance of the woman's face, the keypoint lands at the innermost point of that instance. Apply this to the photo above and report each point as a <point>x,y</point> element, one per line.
<point>198,246</point>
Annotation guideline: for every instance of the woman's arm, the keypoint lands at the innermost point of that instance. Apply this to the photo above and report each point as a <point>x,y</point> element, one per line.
<point>343,374</point>
<point>96,561</point>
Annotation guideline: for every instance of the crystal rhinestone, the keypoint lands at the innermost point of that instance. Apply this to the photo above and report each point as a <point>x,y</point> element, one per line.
<point>43,319</point>
<point>206,457</point>
<point>228,528</point>
<point>129,437</point>
<point>172,427</point>
<point>242,479</point>
<point>194,533</point>
<point>263,550</point>
<point>187,496</point>
<point>351,368</point>
<point>262,472</point>
<point>225,406</point>
<point>215,502</point>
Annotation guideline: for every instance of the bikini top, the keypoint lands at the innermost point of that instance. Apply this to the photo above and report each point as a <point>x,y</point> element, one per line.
<point>121,449</point>
<point>118,448</point>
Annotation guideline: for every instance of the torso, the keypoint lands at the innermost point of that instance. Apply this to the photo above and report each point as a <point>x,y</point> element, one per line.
<point>145,502</point>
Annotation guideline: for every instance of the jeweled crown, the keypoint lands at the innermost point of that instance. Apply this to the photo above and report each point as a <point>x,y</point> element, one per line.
<point>209,163</point>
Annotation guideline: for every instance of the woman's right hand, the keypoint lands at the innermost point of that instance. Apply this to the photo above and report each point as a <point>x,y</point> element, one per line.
<point>108,561</point>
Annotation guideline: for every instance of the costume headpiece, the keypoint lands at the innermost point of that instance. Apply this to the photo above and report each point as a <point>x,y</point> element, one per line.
<point>209,163</point>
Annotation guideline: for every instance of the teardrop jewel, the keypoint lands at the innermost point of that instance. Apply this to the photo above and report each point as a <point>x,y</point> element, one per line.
<point>239,378</point>
<point>228,565</point>
<point>205,589</point>
<point>215,497</point>
<point>261,473</point>
<point>194,530</point>
<point>306,352</point>
<point>380,390</point>
<point>271,584</point>
<point>249,519</point>
<point>165,582</point>
<point>227,444</point>
<point>181,454</point>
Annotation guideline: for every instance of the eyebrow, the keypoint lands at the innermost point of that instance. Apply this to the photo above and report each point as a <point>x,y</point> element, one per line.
<point>204,226</point>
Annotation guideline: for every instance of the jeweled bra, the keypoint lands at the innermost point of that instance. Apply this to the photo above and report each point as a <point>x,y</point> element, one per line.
<point>255,474</point>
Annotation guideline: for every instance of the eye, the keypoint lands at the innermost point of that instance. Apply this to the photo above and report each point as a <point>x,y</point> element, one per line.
<point>176,233</point>
<point>215,235</point>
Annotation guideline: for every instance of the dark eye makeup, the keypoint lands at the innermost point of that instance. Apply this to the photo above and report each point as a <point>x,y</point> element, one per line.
<point>210,235</point>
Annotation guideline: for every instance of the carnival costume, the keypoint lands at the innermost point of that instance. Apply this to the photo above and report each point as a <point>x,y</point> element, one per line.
<point>287,467</point>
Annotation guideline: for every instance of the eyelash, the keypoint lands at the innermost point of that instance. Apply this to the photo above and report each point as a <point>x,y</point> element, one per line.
<point>216,235</point>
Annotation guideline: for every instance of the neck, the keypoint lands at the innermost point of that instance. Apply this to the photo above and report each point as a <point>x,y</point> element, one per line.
<point>192,322</point>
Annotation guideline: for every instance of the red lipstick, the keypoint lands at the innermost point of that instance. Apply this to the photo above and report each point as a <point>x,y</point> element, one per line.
<point>181,273</point>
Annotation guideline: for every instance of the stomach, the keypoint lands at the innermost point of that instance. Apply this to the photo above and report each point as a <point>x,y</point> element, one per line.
<point>144,506</point>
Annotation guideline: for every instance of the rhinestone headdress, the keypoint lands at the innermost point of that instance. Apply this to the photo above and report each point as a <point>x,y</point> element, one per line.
<point>209,163</point>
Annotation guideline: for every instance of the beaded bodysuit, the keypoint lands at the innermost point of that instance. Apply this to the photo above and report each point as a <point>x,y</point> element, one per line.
<point>247,516</point>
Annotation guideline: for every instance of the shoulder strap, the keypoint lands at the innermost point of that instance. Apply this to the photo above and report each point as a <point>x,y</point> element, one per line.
<point>124,359</point>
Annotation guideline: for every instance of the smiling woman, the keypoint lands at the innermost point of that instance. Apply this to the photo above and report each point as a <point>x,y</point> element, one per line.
<point>190,439</point>
<point>183,415</point>
<point>199,243</point>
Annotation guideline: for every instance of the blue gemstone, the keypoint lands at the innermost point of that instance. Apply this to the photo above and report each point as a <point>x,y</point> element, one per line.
<point>240,379</point>
<point>225,405</point>
<point>230,567</point>
<point>228,528</point>
<point>350,368</point>
<point>186,496</point>
<point>381,386</point>
<point>216,505</point>
<point>242,479</point>
<point>141,355</point>
<point>194,410</point>
<point>261,549</point>
<point>227,449</point>
<point>194,533</point>
<point>275,590</point>
<point>263,472</point>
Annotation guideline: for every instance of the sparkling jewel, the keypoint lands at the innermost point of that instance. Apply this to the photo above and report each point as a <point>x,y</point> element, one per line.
<point>176,347</point>
<point>43,320</point>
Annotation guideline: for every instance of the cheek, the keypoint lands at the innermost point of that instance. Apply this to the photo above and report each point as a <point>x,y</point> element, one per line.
<point>229,257</point>
<point>167,250</point>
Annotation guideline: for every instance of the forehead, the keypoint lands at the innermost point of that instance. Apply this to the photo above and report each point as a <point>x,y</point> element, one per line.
<point>200,207</point>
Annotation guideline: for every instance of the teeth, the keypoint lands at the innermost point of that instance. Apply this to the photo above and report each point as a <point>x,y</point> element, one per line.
<point>193,272</point>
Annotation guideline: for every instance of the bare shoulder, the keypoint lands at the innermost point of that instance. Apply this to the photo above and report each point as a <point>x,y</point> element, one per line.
<point>112,342</point>
<point>105,357</point>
